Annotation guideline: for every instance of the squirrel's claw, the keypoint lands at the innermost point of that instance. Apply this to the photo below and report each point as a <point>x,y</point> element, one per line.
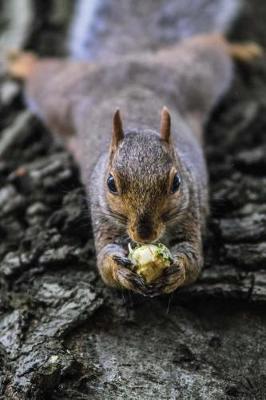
<point>124,261</point>
<point>130,280</point>
<point>116,269</point>
<point>172,278</point>
<point>123,275</point>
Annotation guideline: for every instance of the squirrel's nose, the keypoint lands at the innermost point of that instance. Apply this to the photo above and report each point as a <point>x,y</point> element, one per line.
<point>144,231</point>
<point>144,226</point>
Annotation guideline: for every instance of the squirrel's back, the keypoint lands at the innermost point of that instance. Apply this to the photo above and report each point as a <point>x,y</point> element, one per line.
<point>104,28</point>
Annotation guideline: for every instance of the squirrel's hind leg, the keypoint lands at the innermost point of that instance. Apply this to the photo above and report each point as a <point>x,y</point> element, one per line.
<point>245,52</point>
<point>20,64</point>
<point>48,88</point>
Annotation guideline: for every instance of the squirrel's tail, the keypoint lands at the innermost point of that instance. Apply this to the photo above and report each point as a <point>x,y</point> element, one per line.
<point>113,27</point>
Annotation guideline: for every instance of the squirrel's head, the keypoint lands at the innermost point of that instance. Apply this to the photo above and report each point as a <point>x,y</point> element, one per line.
<point>144,180</point>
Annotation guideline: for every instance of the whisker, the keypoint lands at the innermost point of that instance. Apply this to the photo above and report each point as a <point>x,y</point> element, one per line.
<point>117,214</point>
<point>174,215</point>
<point>169,212</point>
<point>113,215</point>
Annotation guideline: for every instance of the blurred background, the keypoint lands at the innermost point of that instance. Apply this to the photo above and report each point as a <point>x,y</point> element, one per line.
<point>60,27</point>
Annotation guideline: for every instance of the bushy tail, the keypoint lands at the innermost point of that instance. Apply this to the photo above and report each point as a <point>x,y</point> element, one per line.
<point>113,27</point>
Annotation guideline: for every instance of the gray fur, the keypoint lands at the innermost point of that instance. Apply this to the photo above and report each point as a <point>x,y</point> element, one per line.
<point>104,28</point>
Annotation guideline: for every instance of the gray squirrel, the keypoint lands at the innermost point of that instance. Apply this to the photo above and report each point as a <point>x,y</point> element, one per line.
<point>144,173</point>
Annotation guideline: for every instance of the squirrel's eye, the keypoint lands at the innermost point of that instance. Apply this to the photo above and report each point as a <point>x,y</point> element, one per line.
<point>175,184</point>
<point>111,184</point>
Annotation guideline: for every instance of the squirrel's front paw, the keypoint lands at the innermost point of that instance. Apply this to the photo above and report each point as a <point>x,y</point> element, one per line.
<point>115,270</point>
<point>172,278</point>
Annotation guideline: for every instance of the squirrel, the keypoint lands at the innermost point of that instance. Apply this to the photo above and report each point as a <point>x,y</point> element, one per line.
<point>145,176</point>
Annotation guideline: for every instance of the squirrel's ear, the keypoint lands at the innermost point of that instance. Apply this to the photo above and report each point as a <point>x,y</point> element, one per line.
<point>118,133</point>
<point>165,130</point>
